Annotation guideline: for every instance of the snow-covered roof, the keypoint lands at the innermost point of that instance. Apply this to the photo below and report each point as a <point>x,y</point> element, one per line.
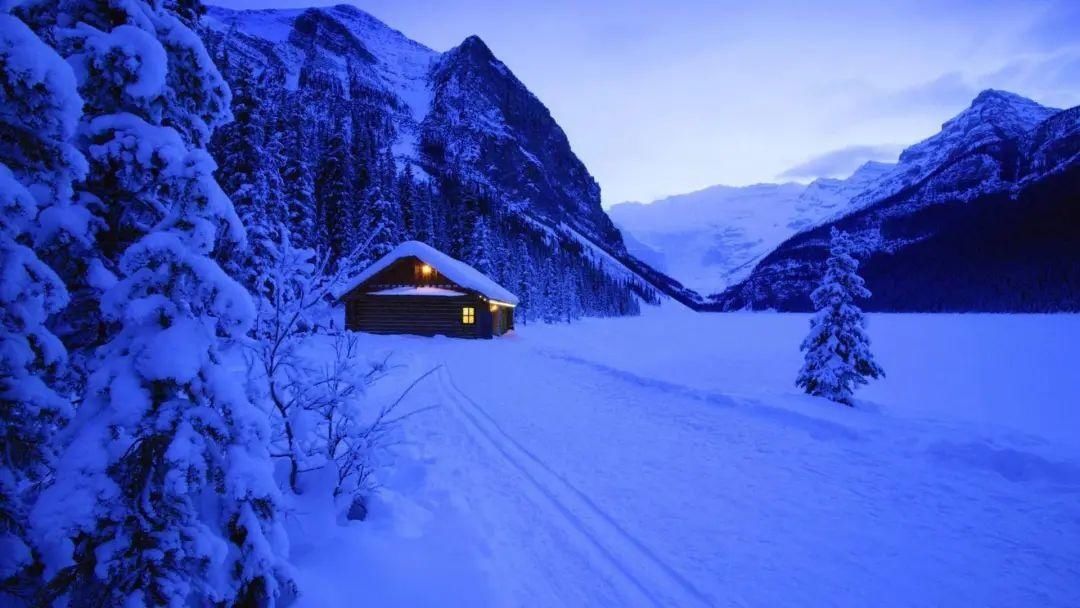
<point>455,270</point>
<point>417,291</point>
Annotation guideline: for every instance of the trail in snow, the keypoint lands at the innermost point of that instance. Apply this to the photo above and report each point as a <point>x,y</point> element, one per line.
<point>756,501</point>
<point>600,464</point>
<point>653,579</point>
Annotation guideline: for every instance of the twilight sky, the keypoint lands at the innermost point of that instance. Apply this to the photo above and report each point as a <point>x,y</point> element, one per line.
<point>661,98</point>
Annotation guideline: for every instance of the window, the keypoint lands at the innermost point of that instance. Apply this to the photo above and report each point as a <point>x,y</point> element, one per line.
<point>468,315</point>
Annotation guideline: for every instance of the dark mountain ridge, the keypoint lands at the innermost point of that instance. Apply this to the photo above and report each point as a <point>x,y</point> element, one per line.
<point>983,216</point>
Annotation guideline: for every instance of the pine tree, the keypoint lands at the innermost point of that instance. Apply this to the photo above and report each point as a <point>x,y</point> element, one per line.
<point>479,252</point>
<point>423,216</point>
<point>335,194</point>
<point>250,164</point>
<point>39,109</point>
<point>383,223</point>
<point>838,357</point>
<point>551,298</point>
<point>406,199</point>
<point>524,281</point>
<point>297,176</point>
<point>165,494</point>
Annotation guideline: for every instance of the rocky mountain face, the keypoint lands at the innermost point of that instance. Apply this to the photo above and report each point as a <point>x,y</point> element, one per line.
<point>450,148</point>
<point>485,122</point>
<point>982,216</point>
<point>713,238</point>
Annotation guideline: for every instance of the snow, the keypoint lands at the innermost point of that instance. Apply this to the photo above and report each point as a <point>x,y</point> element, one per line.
<point>401,68</point>
<point>457,271</point>
<point>706,236</point>
<point>417,291</point>
<point>613,267</point>
<point>272,25</point>
<point>669,459</point>
<point>713,238</point>
<point>993,116</point>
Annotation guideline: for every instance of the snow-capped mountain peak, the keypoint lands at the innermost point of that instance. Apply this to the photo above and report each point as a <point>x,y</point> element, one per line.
<point>993,116</point>
<point>713,238</point>
<point>974,217</point>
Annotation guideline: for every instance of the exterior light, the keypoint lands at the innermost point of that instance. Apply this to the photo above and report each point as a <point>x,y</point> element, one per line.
<point>494,307</point>
<point>425,270</point>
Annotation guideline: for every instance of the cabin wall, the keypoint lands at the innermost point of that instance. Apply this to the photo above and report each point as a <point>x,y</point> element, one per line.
<point>502,320</point>
<point>420,315</point>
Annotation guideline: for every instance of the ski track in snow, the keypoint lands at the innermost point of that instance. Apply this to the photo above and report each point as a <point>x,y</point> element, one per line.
<point>657,582</point>
<point>589,477</point>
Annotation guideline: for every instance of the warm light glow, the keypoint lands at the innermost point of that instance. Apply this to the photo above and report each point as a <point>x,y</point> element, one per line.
<point>425,270</point>
<point>468,315</point>
<point>494,307</point>
<point>506,304</point>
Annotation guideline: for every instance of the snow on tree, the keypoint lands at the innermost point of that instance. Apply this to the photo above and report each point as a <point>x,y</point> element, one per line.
<point>250,174</point>
<point>39,109</point>
<point>334,192</point>
<point>384,223</point>
<point>838,357</point>
<point>480,248</point>
<point>295,286</point>
<point>423,217</point>
<point>316,408</point>
<point>165,494</point>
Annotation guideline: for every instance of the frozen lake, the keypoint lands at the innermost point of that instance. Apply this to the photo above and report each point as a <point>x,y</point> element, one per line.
<point>669,460</point>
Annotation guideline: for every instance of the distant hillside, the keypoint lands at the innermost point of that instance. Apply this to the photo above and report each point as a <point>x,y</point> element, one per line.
<point>983,216</point>
<point>712,238</point>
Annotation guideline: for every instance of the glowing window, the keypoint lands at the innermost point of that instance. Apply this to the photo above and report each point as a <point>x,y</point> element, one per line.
<point>425,270</point>
<point>468,315</point>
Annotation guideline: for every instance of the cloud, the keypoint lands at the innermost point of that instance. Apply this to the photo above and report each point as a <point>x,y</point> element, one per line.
<point>1056,28</point>
<point>1052,79</point>
<point>949,92</point>
<point>841,162</point>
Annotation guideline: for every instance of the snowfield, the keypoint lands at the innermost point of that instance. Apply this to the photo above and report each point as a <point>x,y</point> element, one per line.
<point>669,460</point>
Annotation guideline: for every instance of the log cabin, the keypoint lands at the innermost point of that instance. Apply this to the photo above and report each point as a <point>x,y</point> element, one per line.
<point>417,289</point>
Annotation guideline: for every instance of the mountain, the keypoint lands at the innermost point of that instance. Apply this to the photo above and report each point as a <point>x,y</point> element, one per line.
<point>712,238</point>
<point>375,133</point>
<point>982,216</point>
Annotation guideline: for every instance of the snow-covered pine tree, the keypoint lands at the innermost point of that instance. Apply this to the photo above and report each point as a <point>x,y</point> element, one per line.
<point>551,298</point>
<point>165,494</point>
<point>297,175</point>
<point>838,357</point>
<point>334,191</point>
<point>524,283</point>
<point>383,219</point>
<point>423,217</point>
<point>39,109</point>
<point>250,165</point>
<point>406,199</point>
<point>480,248</point>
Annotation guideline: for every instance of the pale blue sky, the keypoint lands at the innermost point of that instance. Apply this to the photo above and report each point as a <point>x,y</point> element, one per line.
<point>661,98</point>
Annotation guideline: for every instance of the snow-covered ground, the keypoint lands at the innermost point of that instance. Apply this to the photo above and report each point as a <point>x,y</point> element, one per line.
<point>669,460</point>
